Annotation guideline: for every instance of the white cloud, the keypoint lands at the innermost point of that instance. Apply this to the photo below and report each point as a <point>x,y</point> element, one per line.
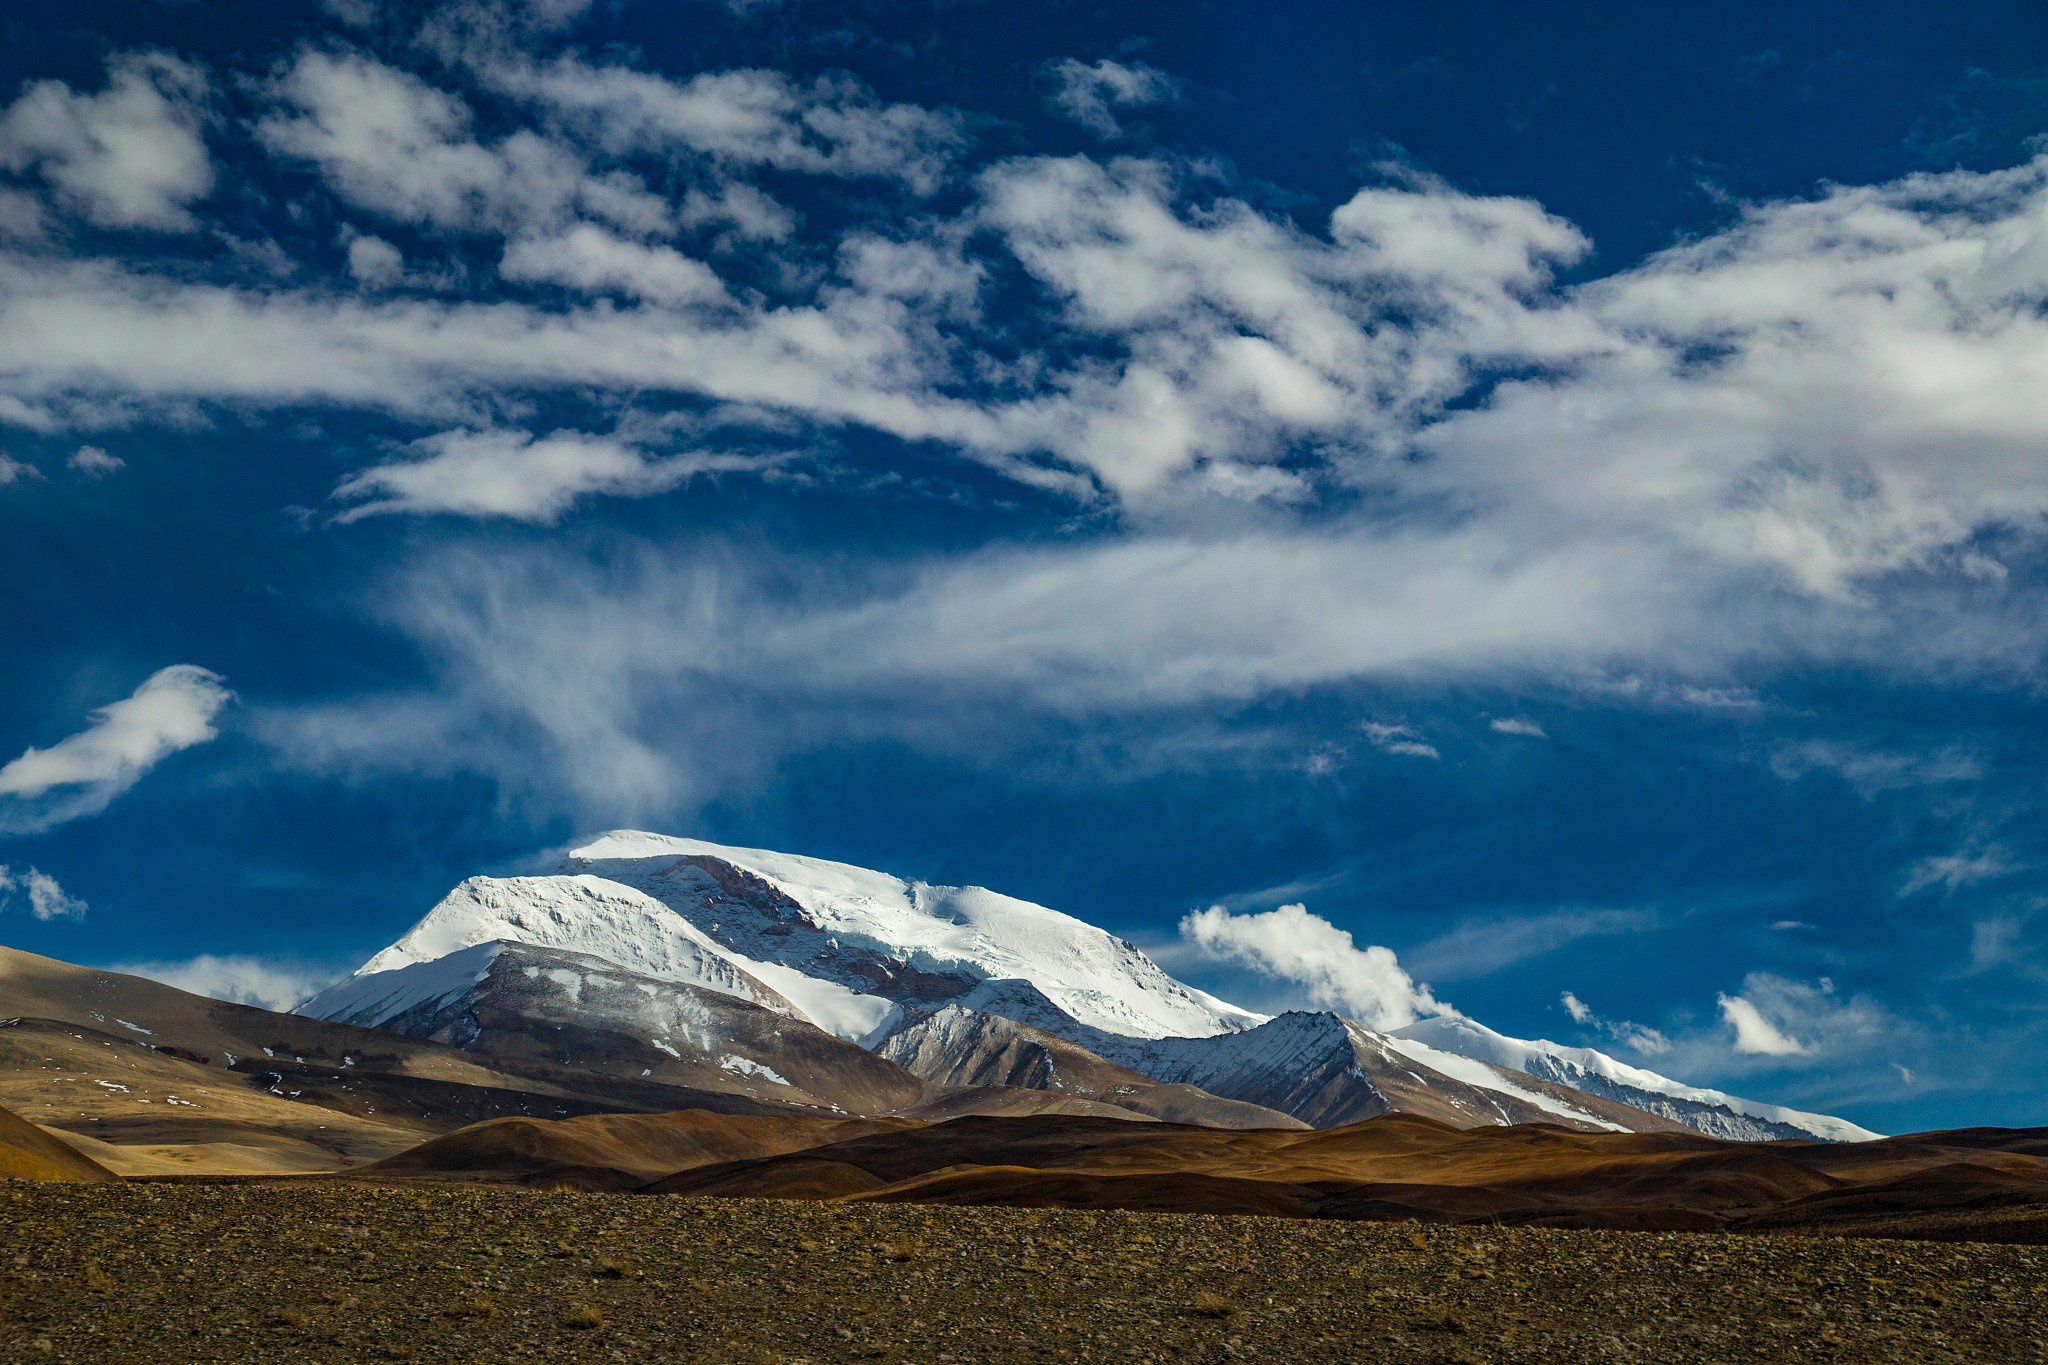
<point>832,126</point>
<point>78,776</point>
<point>1789,924</point>
<point>1398,739</point>
<point>1576,1008</point>
<point>1510,725</point>
<point>1367,984</point>
<point>589,259</point>
<point>46,899</point>
<point>1089,94</point>
<point>390,143</point>
<point>10,470</point>
<point>242,980</point>
<point>94,462</point>
<point>1753,1033</point>
<point>375,262</point>
<point>515,474</point>
<point>131,156</point>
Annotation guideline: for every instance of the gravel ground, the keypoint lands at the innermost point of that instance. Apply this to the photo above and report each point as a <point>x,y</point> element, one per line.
<point>337,1273</point>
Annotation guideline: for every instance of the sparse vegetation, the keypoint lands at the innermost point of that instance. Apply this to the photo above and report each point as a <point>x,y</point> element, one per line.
<point>902,1247</point>
<point>1210,1305</point>
<point>584,1316</point>
<point>612,1268</point>
<point>288,1317</point>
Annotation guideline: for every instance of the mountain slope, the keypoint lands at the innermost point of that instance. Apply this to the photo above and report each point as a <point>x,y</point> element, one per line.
<point>580,1010</point>
<point>1595,1073</point>
<point>956,1046</point>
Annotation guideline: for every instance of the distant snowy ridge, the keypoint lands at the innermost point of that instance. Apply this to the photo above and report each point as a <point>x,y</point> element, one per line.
<point>1595,1073</point>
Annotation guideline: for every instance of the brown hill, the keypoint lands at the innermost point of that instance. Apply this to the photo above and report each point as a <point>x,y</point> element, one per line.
<point>153,1080</point>
<point>617,1151</point>
<point>29,1153</point>
<point>1404,1166</point>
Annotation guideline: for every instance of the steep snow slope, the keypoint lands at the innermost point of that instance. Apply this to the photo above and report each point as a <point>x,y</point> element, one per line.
<point>903,940</point>
<point>1595,1073</point>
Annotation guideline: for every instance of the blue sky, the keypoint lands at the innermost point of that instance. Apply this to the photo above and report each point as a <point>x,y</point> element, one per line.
<point>1554,492</point>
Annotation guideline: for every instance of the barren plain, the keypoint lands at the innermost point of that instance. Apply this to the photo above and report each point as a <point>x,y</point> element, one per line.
<point>293,1270</point>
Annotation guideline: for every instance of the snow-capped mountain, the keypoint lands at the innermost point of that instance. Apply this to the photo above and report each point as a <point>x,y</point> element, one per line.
<point>1595,1073</point>
<point>881,938</point>
<point>868,957</point>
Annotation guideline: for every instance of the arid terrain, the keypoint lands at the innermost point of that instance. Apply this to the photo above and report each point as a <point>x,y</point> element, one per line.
<point>280,1271</point>
<point>237,1186</point>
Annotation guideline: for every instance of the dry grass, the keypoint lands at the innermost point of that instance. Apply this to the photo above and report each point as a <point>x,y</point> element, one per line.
<point>612,1268</point>
<point>478,1307</point>
<point>1208,1305</point>
<point>1441,1322</point>
<point>584,1316</point>
<point>97,1279</point>
<point>1418,1241</point>
<point>288,1317</point>
<point>902,1248</point>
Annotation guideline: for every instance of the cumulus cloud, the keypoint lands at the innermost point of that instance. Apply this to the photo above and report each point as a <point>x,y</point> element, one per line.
<point>1578,1009</point>
<point>79,776</point>
<point>1398,739</point>
<point>94,462</point>
<point>1511,725</point>
<point>46,899</point>
<point>131,156</point>
<point>1089,95</point>
<point>1291,944</point>
<point>1754,1033</point>
<point>242,980</point>
<point>10,470</point>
